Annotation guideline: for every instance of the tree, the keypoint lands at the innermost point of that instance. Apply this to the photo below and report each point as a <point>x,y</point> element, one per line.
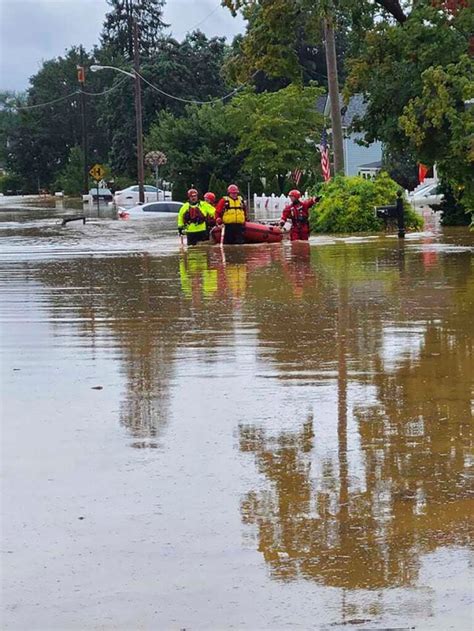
<point>198,144</point>
<point>272,46</point>
<point>189,70</point>
<point>70,179</point>
<point>42,137</point>
<point>8,121</point>
<point>277,131</point>
<point>418,106</point>
<point>117,33</point>
<point>441,129</point>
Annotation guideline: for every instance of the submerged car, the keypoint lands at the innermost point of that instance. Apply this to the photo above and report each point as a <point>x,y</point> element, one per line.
<point>130,196</point>
<point>150,209</point>
<point>103,194</point>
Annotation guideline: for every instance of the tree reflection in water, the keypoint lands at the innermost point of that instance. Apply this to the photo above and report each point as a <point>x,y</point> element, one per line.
<point>411,491</point>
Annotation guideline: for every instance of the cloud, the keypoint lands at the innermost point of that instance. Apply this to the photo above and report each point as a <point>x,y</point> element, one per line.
<point>32,31</point>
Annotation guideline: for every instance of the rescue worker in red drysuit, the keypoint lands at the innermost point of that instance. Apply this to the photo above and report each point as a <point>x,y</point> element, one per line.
<point>298,213</point>
<point>210,200</point>
<point>231,211</point>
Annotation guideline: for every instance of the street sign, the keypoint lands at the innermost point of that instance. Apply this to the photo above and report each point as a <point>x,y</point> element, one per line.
<point>97,172</point>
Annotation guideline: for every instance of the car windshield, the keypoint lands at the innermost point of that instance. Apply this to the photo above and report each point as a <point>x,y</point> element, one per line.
<point>162,207</point>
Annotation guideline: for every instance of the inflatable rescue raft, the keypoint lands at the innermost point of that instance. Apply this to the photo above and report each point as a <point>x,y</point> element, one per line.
<point>253,233</point>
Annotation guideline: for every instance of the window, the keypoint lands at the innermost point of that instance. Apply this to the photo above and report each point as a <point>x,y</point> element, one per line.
<point>163,207</point>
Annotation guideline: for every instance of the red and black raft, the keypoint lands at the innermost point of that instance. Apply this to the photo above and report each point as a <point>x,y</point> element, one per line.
<point>253,233</point>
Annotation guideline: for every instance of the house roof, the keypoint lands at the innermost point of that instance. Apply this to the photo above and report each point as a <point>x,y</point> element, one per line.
<point>355,108</point>
<point>371,165</point>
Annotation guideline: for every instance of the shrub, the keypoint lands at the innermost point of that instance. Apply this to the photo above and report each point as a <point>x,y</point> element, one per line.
<point>70,180</point>
<point>217,186</point>
<point>10,184</point>
<point>347,205</point>
<point>453,213</point>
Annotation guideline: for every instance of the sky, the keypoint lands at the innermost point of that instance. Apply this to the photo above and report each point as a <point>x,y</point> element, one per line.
<point>32,31</point>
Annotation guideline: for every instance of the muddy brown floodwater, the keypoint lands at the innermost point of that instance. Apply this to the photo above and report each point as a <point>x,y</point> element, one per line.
<point>275,438</point>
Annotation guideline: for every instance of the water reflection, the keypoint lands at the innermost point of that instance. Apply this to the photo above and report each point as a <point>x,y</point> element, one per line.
<point>375,339</point>
<point>362,514</point>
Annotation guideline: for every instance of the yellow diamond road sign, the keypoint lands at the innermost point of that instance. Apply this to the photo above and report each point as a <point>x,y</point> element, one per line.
<point>97,171</point>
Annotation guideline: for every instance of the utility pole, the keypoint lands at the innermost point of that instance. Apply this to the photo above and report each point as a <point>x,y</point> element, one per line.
<point>138,114</point>
<point>333,84</point>
<point>81,77</point>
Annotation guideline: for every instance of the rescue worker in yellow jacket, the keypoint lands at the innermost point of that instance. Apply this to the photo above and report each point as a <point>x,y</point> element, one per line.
<point>232,212</point>
<point>192,218</point>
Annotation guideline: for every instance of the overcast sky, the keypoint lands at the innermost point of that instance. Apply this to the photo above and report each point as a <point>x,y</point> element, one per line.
<point>32,31</point>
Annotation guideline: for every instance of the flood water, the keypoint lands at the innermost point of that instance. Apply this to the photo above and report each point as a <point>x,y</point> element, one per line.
<point>272,437</point>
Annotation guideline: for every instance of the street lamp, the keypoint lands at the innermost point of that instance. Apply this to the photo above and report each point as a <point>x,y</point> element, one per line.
<point>138,109</point>
<point>96,67</point>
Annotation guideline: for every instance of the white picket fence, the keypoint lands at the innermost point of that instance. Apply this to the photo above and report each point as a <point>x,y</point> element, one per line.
<point>271,204</point>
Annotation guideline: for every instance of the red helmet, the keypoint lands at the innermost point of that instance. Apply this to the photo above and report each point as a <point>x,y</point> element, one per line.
<point>294,193</point>
<point>210,197</point>
<point>192,193</point>
<point>233,189</point>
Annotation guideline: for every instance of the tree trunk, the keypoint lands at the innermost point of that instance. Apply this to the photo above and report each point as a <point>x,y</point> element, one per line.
<point>333,84</point>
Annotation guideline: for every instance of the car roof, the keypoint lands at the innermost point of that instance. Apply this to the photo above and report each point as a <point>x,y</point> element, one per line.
<point>166,202</point>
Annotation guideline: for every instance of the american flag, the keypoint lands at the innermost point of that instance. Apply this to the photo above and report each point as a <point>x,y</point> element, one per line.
<point>296,176</point>
<point>324,150</point>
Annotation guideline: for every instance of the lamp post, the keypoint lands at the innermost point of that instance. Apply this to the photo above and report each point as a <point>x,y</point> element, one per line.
<point>138,112</point>
<point>156,159</point>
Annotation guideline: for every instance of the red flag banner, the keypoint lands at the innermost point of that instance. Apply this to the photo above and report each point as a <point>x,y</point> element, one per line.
<point>422,171</point>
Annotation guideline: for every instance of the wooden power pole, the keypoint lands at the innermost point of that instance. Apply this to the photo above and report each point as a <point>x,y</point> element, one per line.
<point>333,83</point>
<point>138,114</point>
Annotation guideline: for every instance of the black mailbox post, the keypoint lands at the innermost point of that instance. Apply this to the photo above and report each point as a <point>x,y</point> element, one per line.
<point>393,212</point>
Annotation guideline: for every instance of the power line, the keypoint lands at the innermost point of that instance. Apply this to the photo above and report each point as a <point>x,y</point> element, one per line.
<point>107,90</point>
<point>192,101</point>
<point>191,28</point>
<point>30,107</point>
<point>67,96</point>
<point>154,87</point>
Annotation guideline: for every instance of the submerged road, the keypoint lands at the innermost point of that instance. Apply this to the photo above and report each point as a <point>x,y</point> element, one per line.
<point>275,438</point>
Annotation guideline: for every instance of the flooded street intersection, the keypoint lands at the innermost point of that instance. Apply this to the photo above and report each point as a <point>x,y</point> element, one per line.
<point>274,437</point>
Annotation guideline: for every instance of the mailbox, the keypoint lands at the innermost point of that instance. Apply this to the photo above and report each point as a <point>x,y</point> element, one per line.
<point>386,212</point>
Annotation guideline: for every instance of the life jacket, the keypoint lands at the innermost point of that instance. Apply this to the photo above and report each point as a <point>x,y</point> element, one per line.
<point>298,214</point>
<point>234,210</point>
<point>194,214</point>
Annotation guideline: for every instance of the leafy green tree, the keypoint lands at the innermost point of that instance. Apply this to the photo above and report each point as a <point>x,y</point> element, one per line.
<point>117,33</point>
<point>70,180</point>
<point>441,129</point>
<point>42,137</point>
<point>452,212</point>
<point>8,121</point>
<point>277,131</point>
<point>10,184</point>
<point>198,145</point>
<point>217,186</point>
<point>401,166</point>
<point>415,76</point>
<point>347,205</point>
<point>283,42</point>
<point>189,70</point>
